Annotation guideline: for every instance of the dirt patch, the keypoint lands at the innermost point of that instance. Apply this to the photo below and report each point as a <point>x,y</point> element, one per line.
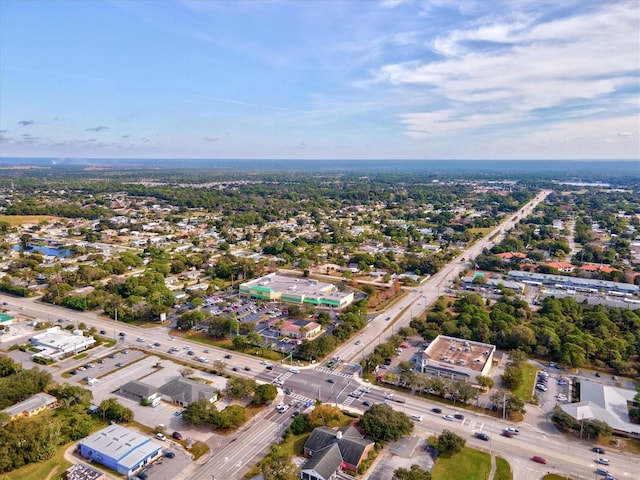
<point>52,472</point>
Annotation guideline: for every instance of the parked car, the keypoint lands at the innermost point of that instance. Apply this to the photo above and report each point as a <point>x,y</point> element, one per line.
<point>177,435</point>
<point>169,454</point>
<point>539,459</point>
<point>143,476</point>
<point>161,436</point>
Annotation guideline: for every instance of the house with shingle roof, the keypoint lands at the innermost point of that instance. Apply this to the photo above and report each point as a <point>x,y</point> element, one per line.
<point>183,391</point>
<point>332,450</point>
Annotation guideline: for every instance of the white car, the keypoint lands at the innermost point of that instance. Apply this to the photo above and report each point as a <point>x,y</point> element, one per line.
<point>448,417</point>
<point>161,436</point>
<point>389,396</point>
<point>603,461</point>
<point>417,418</point>
<point>140,339</point>
<point>294,370</point>
<point>512,430</point>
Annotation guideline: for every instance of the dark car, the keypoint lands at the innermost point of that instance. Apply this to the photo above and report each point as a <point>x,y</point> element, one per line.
<point>330,380</point>
<point>482,436</point>
<point>73,372</point>
<point>177,435</point>
<point>143,476</point>
<point>247,369</point>
<point>112,356</point>
<point>507,434</point>
<point>436,410</point>
<point>458,416</point>
<point>269,367</point>
<point>235,369</point>
<point>366,403</point>
<point>103,332</point>
<point>597,449</point>
<point>227,356</point>
<point>122,334</point>
<point>169,454</point>
<point>190,352</point>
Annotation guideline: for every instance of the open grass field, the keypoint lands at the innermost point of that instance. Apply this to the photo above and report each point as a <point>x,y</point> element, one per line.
<point>523,392</point>
<point>469,464</point>
<point>503,470</point>
<point>15,220</point>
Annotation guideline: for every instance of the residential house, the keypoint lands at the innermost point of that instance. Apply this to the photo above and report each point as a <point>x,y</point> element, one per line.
<point>332,450</point>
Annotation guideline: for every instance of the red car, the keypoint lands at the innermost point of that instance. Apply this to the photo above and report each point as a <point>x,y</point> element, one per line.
<point>404,345</point>
<point>538,459</point>
<point>507,434</point>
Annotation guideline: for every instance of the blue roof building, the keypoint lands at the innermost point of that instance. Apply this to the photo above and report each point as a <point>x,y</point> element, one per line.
<point>120,449</point>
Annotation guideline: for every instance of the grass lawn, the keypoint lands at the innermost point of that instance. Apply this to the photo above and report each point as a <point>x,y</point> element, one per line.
<point>469,464</point>
<point>523,392</point>
<point>15,220</point>
<point>503,470</point>
<point>553,476</point>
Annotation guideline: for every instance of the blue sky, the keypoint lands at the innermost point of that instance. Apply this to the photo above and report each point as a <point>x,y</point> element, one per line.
<point>358,79</point>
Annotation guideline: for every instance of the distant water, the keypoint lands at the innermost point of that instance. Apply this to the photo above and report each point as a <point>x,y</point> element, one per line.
<point>55,252</point>
<point>573,168</point>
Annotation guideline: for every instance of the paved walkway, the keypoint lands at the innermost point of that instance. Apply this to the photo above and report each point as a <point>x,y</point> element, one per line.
<point>493,467</point>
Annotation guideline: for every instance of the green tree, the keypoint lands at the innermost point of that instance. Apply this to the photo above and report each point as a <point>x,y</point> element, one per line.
<point>450,443</point>
<point>113,411</point>
<point>232,416</point>
<point>485,382</point>
<point>301,424</point>
<point>238,387</point>
<point>512,377</point>
<point>382,423</point>
<point>414,473</point>
<point>264,393</point>
<point>325,415</point>
<point>279,466</point>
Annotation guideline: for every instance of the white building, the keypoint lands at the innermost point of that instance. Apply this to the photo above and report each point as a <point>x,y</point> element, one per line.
<point>605,403</point>
<point>55,343</point>
<point>456,359</point>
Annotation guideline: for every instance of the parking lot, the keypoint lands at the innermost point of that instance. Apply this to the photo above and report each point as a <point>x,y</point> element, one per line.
<point>143,367</point>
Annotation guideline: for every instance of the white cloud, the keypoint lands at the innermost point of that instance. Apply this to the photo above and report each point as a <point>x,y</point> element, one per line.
<point>493,74</point>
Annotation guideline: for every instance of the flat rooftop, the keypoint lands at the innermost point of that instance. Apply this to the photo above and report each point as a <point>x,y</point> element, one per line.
<point>459,352</point>
<point>57,338</point>
<point>296,286</point>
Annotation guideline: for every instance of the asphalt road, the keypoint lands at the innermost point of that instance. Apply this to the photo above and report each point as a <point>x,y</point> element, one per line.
<point>241,452</point>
